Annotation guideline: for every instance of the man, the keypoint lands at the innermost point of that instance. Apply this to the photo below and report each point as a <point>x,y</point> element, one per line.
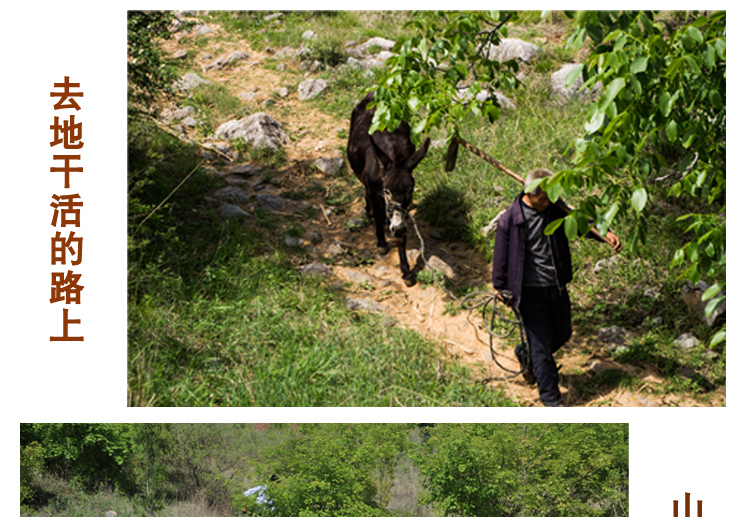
<point>535,269</point>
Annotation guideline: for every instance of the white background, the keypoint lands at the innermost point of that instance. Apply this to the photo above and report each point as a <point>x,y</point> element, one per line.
<point>699,450</point>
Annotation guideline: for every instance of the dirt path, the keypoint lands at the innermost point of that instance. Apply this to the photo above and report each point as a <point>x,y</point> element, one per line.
<point>366,276</point>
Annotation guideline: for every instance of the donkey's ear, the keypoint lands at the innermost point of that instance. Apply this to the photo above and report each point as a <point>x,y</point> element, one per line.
<point>381,153</point>
<point>415,158</point>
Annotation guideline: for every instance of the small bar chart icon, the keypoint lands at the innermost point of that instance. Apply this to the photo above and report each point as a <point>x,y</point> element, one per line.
<point>687,506</point>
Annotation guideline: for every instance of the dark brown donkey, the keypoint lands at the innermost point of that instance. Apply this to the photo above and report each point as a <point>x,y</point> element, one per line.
<point>384,162</point>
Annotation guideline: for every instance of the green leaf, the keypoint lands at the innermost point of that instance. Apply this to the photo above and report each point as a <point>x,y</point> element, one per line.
<point>718,338</point>
<point>711,292</point>
<point>672,130</point>
<point>573,74</point>
<point>571,228</point>
<point>639,65</point>
<point>639,198</point>
<point>553,226</point>
<point>595,122</point>
<point>695,35</point>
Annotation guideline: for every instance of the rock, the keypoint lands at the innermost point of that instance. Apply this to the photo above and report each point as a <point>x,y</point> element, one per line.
<point>337,249</point>
<point>110,513</point>
<point>316,269</point>
<point>605,264</point>
<point>171,114</point>
<point>272,17</point>
<point>511,48</point>
<point>248,96</point>
<point>687,372</point>
<point>352,62</point>
<point>356,304</point>
<point>329,166</point>
<point>282,92</point>
<point>232,195</point>
<point>436,234</point>
<point>291,241</point>
<point>692,295</point>
<point>202,30</point>
<point>246,169</point>
<point>309,34</point>
<point>376,60</point>
<point>564,93</point>
<point>220,63</point>
<point>363,50</point>
<point>259,129</point>
<point>228,211</point>
<point>687,341</point>
<point>189,81</point>
<point>598,367</point>
<point>613,335</point>
<point>438,264</point>
<point>484,95</point>
<point>180,54</point>
<point>190,122</point>
<point>276,203</point>
<point>311,88</point>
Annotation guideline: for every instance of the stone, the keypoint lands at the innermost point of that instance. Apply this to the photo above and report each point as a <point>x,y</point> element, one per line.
<point>363,50</point>
<point>329,166</point>
<point>613,335</point>
<point>566,93</point>
<point>259,129</point>
<point>692,295</point>
<point>180,54</point>
<point>311,88</point>
<point>291,241</point>
<point>337,249</point>
<point>512,48</point>
<point>276,203</point>
<point>228,211</point>
<point>357,304</point>
<point>316,269</point>
<point>171,114</point>
<point>189,81</point>
<point>233,195</point>
<point>438,264</point>
<point>202,30</point>
<point>687,341</point>
<point>220,63</point>
<point>246,169</point>
<point>309,34</point>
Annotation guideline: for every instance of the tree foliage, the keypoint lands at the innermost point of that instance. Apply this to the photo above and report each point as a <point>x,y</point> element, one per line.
<point>527,469</point>
<point>148,74</point>
<point>327,470</point>
<point>661,118</point>
<point>434,77</point>
<point>658,129</point>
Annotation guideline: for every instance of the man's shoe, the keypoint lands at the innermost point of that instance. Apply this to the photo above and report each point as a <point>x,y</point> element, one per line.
<point>524,360</point>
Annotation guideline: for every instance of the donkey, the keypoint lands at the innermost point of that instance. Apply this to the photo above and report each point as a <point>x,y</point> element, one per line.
<point>384,162</point>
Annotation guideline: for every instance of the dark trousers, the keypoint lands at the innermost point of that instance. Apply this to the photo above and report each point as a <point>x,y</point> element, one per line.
<point>546,318</point>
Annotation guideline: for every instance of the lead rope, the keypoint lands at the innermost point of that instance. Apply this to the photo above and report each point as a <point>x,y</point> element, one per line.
<point>484,299</point>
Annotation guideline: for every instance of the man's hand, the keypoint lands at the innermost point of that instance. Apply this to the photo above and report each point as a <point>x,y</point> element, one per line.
<point>506,297</point>
<point>614,241</point>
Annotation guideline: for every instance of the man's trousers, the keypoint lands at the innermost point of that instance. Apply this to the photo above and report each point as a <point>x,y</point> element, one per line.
<point>546,318</point>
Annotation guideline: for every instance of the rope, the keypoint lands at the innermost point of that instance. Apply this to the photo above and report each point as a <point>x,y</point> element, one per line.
<point>483,299</point>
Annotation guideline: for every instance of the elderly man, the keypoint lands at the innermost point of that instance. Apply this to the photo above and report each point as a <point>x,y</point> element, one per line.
<point>535,268</point>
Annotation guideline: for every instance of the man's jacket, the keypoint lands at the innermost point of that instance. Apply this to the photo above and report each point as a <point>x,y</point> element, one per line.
<point>510,240</point>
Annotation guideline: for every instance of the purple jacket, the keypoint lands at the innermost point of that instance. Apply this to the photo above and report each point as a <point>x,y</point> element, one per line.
<point>510,240</point>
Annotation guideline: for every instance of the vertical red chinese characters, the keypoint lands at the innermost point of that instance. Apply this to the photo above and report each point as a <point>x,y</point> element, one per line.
<point>66,248</point>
